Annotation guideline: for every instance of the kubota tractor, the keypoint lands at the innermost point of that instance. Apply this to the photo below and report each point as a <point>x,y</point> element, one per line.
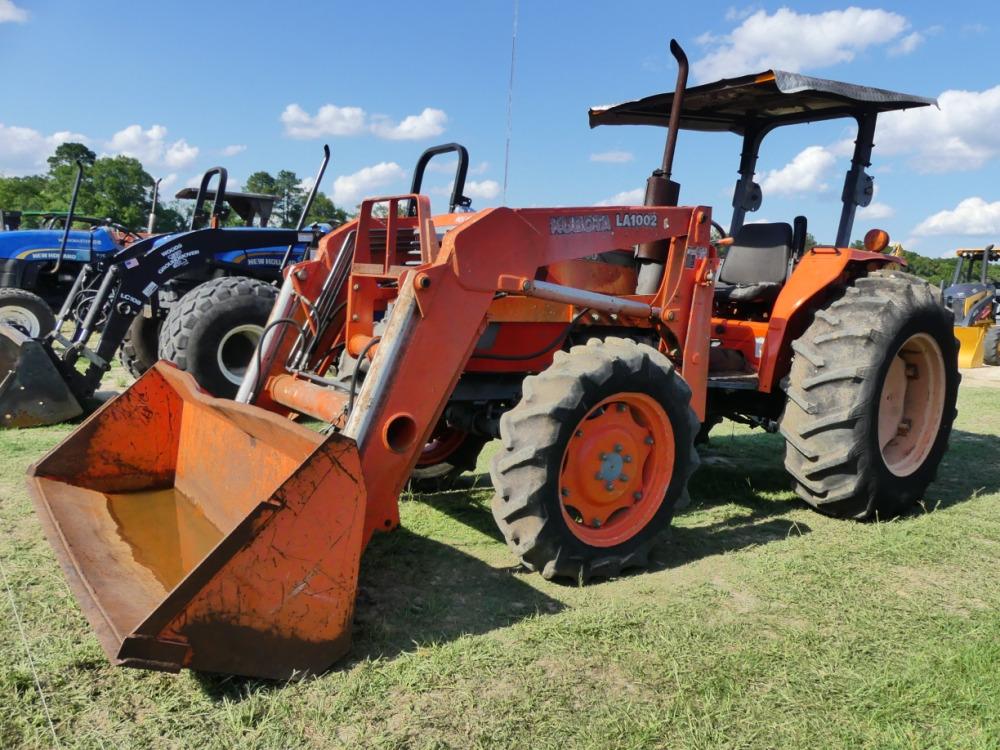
<point>972,297</point>
<point>219,535</point>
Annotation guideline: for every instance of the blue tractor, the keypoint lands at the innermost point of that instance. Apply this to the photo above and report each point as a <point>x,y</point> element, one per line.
<point>199,298</point>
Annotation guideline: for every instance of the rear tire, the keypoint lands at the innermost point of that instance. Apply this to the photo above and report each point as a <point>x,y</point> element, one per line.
<point>213,330</point>
<point>871,398</point>
<point>140,347</point>
<point>991,346</point>
<point>26,311</point>
<point>585,427</point>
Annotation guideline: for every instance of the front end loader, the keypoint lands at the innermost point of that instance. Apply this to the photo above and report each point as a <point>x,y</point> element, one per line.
<point>594,342</point>
<point>972,297</point>
<point>49,377</point>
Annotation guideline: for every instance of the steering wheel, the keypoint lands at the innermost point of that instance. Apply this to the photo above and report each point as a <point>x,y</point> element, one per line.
<point>127,234</point>
<point>718,228</point>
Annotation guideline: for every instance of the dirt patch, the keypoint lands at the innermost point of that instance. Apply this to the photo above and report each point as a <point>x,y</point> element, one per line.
<point>981,377</point>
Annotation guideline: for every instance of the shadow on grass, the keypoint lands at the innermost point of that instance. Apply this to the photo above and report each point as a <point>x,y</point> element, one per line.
<point>967,469</point>
<point>414,591</point>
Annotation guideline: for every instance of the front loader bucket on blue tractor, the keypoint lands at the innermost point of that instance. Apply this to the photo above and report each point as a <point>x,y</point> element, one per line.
<point>33,391</point>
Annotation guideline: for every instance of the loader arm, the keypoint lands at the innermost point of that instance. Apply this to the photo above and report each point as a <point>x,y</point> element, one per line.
<point>226,538</point>
<point>441,307</point>
<point>136,275</point>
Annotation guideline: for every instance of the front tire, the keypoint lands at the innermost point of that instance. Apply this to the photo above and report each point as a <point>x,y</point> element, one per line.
<point>991,346</point>
<point>26,311</point>
<point>213,330</point>
<point>871,398</point>
<point>449,453</point>
<point>595,460</point>
<point>140,347</point>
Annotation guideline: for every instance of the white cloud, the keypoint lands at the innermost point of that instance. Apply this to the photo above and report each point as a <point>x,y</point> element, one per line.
<point>329,120</point>
<point>427,124</point>
<point>972,216</point>
<point>166,185</point>
<point>795,41</point>
<point>625,198</point>
<point>876,210</point>
<point>346,121</point>
<point>483,190</point>
<point>234,150</point>
<point>961,135</point>
<point>10,13</point>
<point>613,157</point>
<point>804,173</point>
<point>907,44</point>
<point>738,14</point>
<point>179,154</point>
<point>348,190</point>
<point>24,150</point>
<point>151,147</point>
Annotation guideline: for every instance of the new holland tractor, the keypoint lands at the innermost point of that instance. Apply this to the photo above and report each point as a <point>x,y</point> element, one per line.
<point>199,297</point>
<point>594,342</point>
<point>972,297</point>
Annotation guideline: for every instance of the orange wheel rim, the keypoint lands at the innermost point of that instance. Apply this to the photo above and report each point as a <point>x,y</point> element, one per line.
<point>616,469</point>
<point>443,442</point>
<point>911,405</point>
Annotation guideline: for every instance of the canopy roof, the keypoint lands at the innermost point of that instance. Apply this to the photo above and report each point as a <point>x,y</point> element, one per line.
<point>977,252</point>
<point>246,205</point>
<point>774,97</point>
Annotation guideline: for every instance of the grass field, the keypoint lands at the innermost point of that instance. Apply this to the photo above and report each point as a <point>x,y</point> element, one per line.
<point>761,625</point>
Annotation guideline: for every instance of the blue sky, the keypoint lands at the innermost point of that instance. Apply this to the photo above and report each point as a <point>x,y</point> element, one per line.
<point>259,85</point>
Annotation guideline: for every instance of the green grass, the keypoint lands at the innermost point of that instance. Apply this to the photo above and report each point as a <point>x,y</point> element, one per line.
<point>760,625</point>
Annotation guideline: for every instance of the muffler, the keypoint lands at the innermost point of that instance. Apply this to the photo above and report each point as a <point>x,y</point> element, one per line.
<point>33,391</point>
<point>200,533</point>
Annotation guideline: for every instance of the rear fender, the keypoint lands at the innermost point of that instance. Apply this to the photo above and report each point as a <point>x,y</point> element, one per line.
<point>807,288</point>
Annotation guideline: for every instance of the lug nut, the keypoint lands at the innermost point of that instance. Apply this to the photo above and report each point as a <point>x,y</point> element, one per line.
<point>618,448</point>
<point>596,523</point>
<point>598,476</point>
<point>565,492</point>
<point>627,458</point>
<point>609,486</point>
<point>579,433</point>
<point>648,440</point>
<point>603,456</point>
<point>622,477</point>
<point>637,496</point>
<point>621,407</point>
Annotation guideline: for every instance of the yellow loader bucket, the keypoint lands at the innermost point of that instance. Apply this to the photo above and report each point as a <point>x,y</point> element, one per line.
<point>201,533</point>
<point>971,339</point>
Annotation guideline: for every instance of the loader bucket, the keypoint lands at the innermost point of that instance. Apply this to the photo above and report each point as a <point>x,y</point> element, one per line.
<point>201,533</point>
<point>971,340</point>
<point>32,390</point>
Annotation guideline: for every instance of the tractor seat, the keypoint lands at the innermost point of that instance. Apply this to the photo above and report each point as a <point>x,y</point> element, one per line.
<point>756,266</point>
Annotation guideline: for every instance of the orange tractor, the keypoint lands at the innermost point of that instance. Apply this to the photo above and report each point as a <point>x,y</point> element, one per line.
<point>594,342</point>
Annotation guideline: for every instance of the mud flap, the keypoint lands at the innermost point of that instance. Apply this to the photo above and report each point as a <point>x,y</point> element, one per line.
<point>971,339</point>
<point>32,390</point>
<point>200,533</point>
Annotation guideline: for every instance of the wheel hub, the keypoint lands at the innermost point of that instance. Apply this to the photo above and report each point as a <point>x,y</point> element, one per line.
<point>22,319</point>
<point>235,351</point>
<point>616,468</point>
<point>911,405</point>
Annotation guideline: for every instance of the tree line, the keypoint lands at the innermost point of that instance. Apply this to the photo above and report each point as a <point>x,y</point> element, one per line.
<point>119,188</point>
